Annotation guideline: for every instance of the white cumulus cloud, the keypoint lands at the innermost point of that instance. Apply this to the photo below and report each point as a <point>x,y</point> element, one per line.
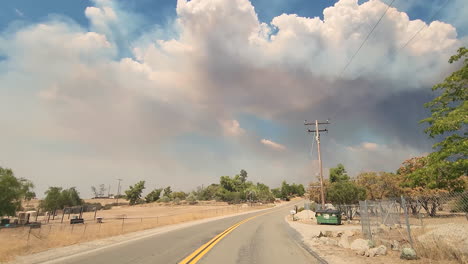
<point>272,144</point>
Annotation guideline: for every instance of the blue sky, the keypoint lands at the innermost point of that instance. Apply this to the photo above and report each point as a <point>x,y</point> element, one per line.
<point>112,89</point>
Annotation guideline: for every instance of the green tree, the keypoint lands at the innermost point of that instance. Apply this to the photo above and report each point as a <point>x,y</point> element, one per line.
<point>71,197</point>
<point>12,191</point>
<point>134,193</point>
<point>153,196</point>
<point>53,199</point>
<point>58,198</point>
<point>345,192</point>
<point>338,174</point>
<point>180,195</point>
<point>168,192</point>
<point>448,121</point>
<point>243,176</point>
<point>208,193</point>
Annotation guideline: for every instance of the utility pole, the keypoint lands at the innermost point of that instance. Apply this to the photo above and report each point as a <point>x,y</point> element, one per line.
<point>118,191</point>
<point>317,138</point>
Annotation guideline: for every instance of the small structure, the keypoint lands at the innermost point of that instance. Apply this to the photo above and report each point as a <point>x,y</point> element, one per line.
<point>328,216</point>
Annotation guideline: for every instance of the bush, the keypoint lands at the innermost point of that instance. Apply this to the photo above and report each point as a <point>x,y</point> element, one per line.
<point>177,201</point>
<point>192,199</point>
<point>165,199</point>
<point>107,207</point>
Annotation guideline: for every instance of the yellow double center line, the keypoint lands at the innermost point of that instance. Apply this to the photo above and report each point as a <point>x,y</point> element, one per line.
<point>201,251</point>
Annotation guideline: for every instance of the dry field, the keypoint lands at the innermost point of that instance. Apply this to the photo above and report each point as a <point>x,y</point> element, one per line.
<point>116,221</point>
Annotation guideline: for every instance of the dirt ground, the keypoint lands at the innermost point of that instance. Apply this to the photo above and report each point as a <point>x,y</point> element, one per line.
<point>116,221</point>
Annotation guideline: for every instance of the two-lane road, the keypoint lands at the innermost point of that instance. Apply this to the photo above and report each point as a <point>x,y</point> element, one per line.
<point>264,238</point>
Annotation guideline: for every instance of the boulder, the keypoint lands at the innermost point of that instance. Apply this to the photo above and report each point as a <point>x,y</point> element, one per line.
<point>380,250</point>
<point>395,245</point>
<point>344,242</point>
<point>323,240</point>
<point>337,233</point>
<point>408,253</point>
<point>328,233</point>
<point>332,242</point>
<point>361,246</point>
<point>349,233</point>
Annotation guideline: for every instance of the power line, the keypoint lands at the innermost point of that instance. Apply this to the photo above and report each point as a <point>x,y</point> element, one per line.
<point>367,37</point>
<point>424,26</point>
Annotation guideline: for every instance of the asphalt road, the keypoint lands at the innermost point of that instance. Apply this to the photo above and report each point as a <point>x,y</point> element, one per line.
<point>264,239</point>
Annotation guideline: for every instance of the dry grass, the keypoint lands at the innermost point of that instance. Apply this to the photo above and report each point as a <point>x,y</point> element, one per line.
<point>120,220</point>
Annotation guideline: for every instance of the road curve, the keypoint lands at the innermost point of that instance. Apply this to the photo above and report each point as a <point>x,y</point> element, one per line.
<point>266,238</point>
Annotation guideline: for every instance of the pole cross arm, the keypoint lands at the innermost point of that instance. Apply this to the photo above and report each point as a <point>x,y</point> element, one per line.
<point>320,130</point>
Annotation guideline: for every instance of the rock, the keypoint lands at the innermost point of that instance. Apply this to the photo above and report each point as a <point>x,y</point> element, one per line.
<point>328,234</point>
<point>361,246</point>
<point>337,233</point>
<point>349,233</point>
<point>323,240</point>
<point>332,242</point>
<point>380,250</point>
<point>395,245</point>
<point>408,253</point>
<point>344,242</point>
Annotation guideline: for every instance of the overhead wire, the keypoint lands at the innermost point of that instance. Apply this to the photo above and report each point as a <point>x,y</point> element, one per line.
<point>367,37</point>
<point>424,26</point>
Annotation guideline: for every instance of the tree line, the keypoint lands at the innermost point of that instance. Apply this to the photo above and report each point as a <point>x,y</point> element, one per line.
<point>236,189</point>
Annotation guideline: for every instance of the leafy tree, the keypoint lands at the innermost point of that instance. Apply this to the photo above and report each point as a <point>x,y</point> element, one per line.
<point>12,191</point>
<point>167,192</point>
<point>276,192</point>
<point>153,196</point>
<point>448,121</point>
<point>285,190</point>
<point>134,193</point>
<point>243,176</point>
<point>208,193</point>
<point>228,184</point>
<point>380,185</point>
<point>180,195</point>
<point>338,174</point>
<point>58,198</point>
<point>53,199</point>
<point>345,192</point>
<point>71,197</point>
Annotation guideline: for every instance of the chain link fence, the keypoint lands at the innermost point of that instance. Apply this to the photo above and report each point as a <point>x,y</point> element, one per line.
<point>436,226</point>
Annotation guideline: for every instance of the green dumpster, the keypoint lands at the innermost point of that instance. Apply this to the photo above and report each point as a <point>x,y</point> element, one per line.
<point>328,217</point>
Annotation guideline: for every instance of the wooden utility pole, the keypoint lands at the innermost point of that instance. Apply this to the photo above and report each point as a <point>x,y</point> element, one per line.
<point>317,138</point>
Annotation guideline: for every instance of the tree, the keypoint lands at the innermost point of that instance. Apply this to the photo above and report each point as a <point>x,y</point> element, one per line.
<point>338,174</point>
<point>167,192</point>
<point>180,195</point>
<point>243,176</point>
<point>12,191</point>
<point>95,192</point>
<point>345,192</point>
<point>380,185</point>
<point>448,121</point>
<point>134,192</point>
<point>102,190</point>
<point>153,196</point>
<point>58,198</point>
<point>71,197</point>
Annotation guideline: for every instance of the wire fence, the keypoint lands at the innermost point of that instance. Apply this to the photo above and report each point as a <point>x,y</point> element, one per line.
<point>435,226</point>
<point>55,232</point>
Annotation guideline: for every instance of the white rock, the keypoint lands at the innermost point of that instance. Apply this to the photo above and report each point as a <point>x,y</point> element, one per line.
<point>360,246</point>
<point>344,242</point>
<point>380,250</point>
<point>349,233</point>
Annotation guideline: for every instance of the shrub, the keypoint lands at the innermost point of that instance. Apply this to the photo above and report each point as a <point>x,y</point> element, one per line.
<point>165,199</point>
<point>192,199</point>
<point>177,201</point>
